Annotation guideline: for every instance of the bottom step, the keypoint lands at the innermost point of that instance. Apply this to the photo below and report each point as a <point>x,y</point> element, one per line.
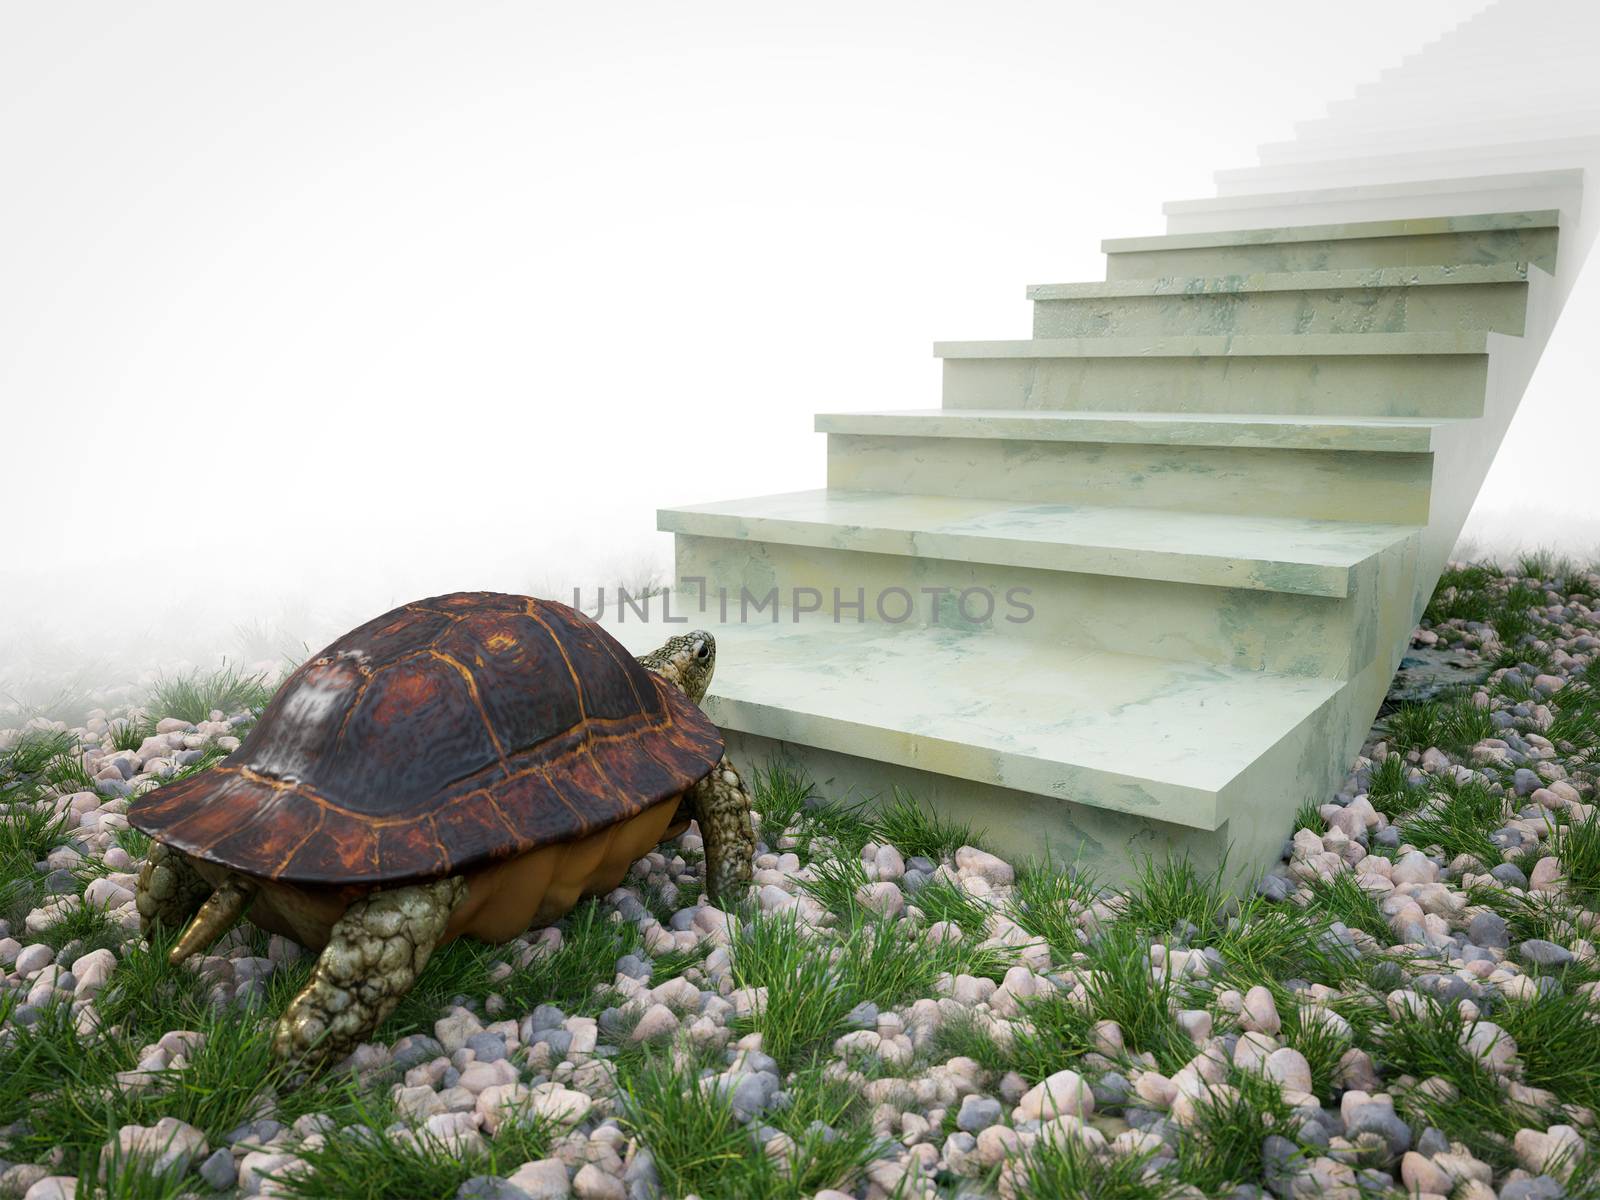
<point>1170,742</point>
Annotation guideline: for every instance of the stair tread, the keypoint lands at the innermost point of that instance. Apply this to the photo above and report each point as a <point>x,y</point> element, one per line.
<point>1242,345</point>
<point>1285,281</point>
<point>1496,181</point>
<point>1537,219</point>
<point>1291,432</point>
<point>1264,553</point>
<point>1159,738</point>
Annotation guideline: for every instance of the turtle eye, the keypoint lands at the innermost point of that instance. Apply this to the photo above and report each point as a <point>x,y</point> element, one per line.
<point>702,650</point>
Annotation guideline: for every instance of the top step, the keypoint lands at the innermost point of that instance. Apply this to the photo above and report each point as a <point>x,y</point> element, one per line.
<point>1515,191</point>
<point>1435,241</point>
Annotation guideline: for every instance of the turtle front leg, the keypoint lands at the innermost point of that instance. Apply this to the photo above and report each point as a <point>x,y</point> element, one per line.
<point>373,957</point>
<point>169,891</point>
<point>721,803</point>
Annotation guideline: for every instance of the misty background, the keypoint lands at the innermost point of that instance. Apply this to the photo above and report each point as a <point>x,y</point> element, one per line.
<point>310,309</point>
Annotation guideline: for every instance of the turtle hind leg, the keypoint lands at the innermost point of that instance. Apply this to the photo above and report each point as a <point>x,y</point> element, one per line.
<point>169,891</point>
<point>374,955</point>
<point>721,803</point>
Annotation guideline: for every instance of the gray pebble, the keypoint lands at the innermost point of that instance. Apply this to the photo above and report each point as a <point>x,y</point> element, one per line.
<point>1539,1187</point>
<point>1510,875</point>
<point>753,1093</point>
<point>918,862</point>
<point>977,1113</point>
<point>633,967</point>
<point>1388,837</point>
<point>641,1177</point>
<point>1489,929</point>
<point>863,1016</point>
<point>1433,1141</point>
<point>1112,1090</point>
<point>1544,954</point>
<point>218,1171</point>
<point>1381,1120</point>
<point>1275,888</point>
<point>547,1016</point>
<point>415,1048</point>
<point>1525,781</point>
<point>913,881</point>
<point>559,1041</point>
<point>489,1047</point>
<point>489,1187</point>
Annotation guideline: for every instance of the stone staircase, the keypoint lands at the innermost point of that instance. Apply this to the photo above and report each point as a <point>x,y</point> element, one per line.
<point>1160,561</point>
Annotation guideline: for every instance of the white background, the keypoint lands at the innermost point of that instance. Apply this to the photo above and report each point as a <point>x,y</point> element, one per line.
<point>309,308</point>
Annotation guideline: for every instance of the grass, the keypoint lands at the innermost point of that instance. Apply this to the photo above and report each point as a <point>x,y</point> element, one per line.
<point>811,989</point>
<point>1576,844</point>
<point>1055,1168</point>
<point>87,925</point>
<point>363,1167</point>
<point>1343,899</point>
<point>1266,942</point>
<point>1461,594</point>
<point>66,1086</point>
<point>1223,1148</point>
<point>1045,902</point>
<point>1123,989</point>
<point>1557,1043</point>
<point>942,900</point>
<point>1452,725</point>
<point>1429,1043</point>
<point>1175,895</point>
<point>1387,788</point>
<point>915,829</point>
<point>575,978</point>
<point>129,734</point>
<point>701,1148</point>
<point>195,696</point>
<point>1576,712</point>
<point>1458,818</point>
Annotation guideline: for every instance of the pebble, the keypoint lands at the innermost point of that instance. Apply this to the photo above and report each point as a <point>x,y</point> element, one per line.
<point>544,1179</point>
<point>977,1113</point>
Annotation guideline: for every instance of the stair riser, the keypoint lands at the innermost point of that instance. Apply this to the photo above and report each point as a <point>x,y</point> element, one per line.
<point>1357,310</point>
<point>1439,385</point>
<point>1321,484</point>
<point>1220,626</point>
<point>1534,245</point>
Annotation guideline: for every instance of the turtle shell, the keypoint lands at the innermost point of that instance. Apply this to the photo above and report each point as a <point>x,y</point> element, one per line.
<point>437,737</point>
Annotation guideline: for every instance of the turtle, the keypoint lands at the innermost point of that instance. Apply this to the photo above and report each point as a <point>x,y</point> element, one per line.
<point>464,765</point>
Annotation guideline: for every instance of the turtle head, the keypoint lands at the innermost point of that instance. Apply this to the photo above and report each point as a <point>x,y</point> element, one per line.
<point>687,661</point>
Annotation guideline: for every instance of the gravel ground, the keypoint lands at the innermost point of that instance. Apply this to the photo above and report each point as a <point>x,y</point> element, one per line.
<point>1405,1005</point>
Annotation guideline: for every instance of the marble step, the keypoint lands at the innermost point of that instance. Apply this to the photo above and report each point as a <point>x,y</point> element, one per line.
<point>1403,435</point>
<point>1359,300</point>
<point>1330,139</point>
<point>1484,238</point>
<point>1276,554</point>
<point>1370,374</point>
<point>1167,741</point>
<point>1516,191</point>
<point>1532,155</point>
<point>1317,468</point>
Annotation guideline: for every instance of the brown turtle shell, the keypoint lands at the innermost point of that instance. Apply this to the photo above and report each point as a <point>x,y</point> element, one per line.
<point>437,737</point>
